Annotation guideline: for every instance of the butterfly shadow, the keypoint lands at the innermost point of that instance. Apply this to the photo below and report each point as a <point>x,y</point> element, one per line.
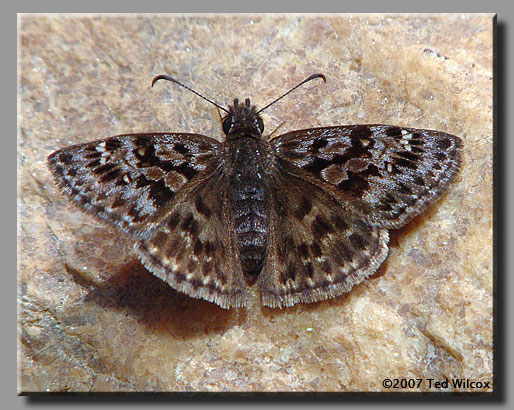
<point>153,303</point>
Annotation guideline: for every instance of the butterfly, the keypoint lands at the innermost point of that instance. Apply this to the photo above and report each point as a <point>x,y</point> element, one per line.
<point>305,216</point>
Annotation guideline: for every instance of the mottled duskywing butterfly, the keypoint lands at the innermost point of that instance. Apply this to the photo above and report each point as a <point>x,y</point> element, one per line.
<point>305,215</point>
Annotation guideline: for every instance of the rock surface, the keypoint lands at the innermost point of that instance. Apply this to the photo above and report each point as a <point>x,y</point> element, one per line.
<point>91,318</point>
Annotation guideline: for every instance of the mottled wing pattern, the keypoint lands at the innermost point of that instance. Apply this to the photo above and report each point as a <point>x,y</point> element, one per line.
<point>317,248</point>
<point>131,181</point>
<point>387,174</point>
<point>193,248</point>
<point>165,191</point>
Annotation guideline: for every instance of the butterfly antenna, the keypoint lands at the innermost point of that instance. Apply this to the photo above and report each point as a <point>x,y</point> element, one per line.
<point>167,77</point>
<point>312,77</point>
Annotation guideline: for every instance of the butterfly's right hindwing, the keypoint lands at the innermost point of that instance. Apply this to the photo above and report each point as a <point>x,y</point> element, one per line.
<point>317,249</point>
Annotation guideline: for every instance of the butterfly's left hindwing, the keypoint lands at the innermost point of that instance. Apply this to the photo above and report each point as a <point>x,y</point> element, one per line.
<point>387,174</point>
<point>193,247</point>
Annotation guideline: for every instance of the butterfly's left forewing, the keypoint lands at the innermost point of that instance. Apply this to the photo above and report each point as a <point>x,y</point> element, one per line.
<point>131,181</point>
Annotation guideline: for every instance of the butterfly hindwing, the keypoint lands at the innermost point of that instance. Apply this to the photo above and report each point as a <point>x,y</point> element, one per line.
<point>193,247</point>
<point>317,248</point>
<point>388,174</point>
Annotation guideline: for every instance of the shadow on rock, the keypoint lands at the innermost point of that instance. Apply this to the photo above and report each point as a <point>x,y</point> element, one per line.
<point>157,305</point>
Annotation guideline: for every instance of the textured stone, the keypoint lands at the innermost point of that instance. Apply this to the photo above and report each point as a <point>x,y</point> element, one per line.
<point>91,318</point>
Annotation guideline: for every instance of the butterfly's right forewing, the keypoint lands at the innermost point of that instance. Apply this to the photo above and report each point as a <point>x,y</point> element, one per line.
<point>387,174</point>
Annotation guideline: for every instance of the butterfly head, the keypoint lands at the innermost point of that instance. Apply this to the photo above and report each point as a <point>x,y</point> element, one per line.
<point>242,119</point>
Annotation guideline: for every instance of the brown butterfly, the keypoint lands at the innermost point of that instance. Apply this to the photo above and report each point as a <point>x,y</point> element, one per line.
<point>304,215</point>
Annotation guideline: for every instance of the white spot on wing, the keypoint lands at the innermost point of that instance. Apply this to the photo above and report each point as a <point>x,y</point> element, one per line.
<point>101,147</point>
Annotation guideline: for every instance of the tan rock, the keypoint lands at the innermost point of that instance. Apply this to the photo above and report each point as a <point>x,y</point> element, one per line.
<point>91,318</point>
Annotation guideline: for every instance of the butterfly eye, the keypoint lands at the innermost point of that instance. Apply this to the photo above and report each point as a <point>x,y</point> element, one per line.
<point>227,124</point>
<point>260,124</point>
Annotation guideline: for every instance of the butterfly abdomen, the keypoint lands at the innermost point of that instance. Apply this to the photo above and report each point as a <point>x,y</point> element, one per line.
<point>248,196</point>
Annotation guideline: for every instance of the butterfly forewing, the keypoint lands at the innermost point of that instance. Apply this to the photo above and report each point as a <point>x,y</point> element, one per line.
<point>132,181</point>
<point>387,174</point>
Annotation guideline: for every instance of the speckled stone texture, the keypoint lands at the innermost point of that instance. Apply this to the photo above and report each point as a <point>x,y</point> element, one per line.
<point>91,318</point>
